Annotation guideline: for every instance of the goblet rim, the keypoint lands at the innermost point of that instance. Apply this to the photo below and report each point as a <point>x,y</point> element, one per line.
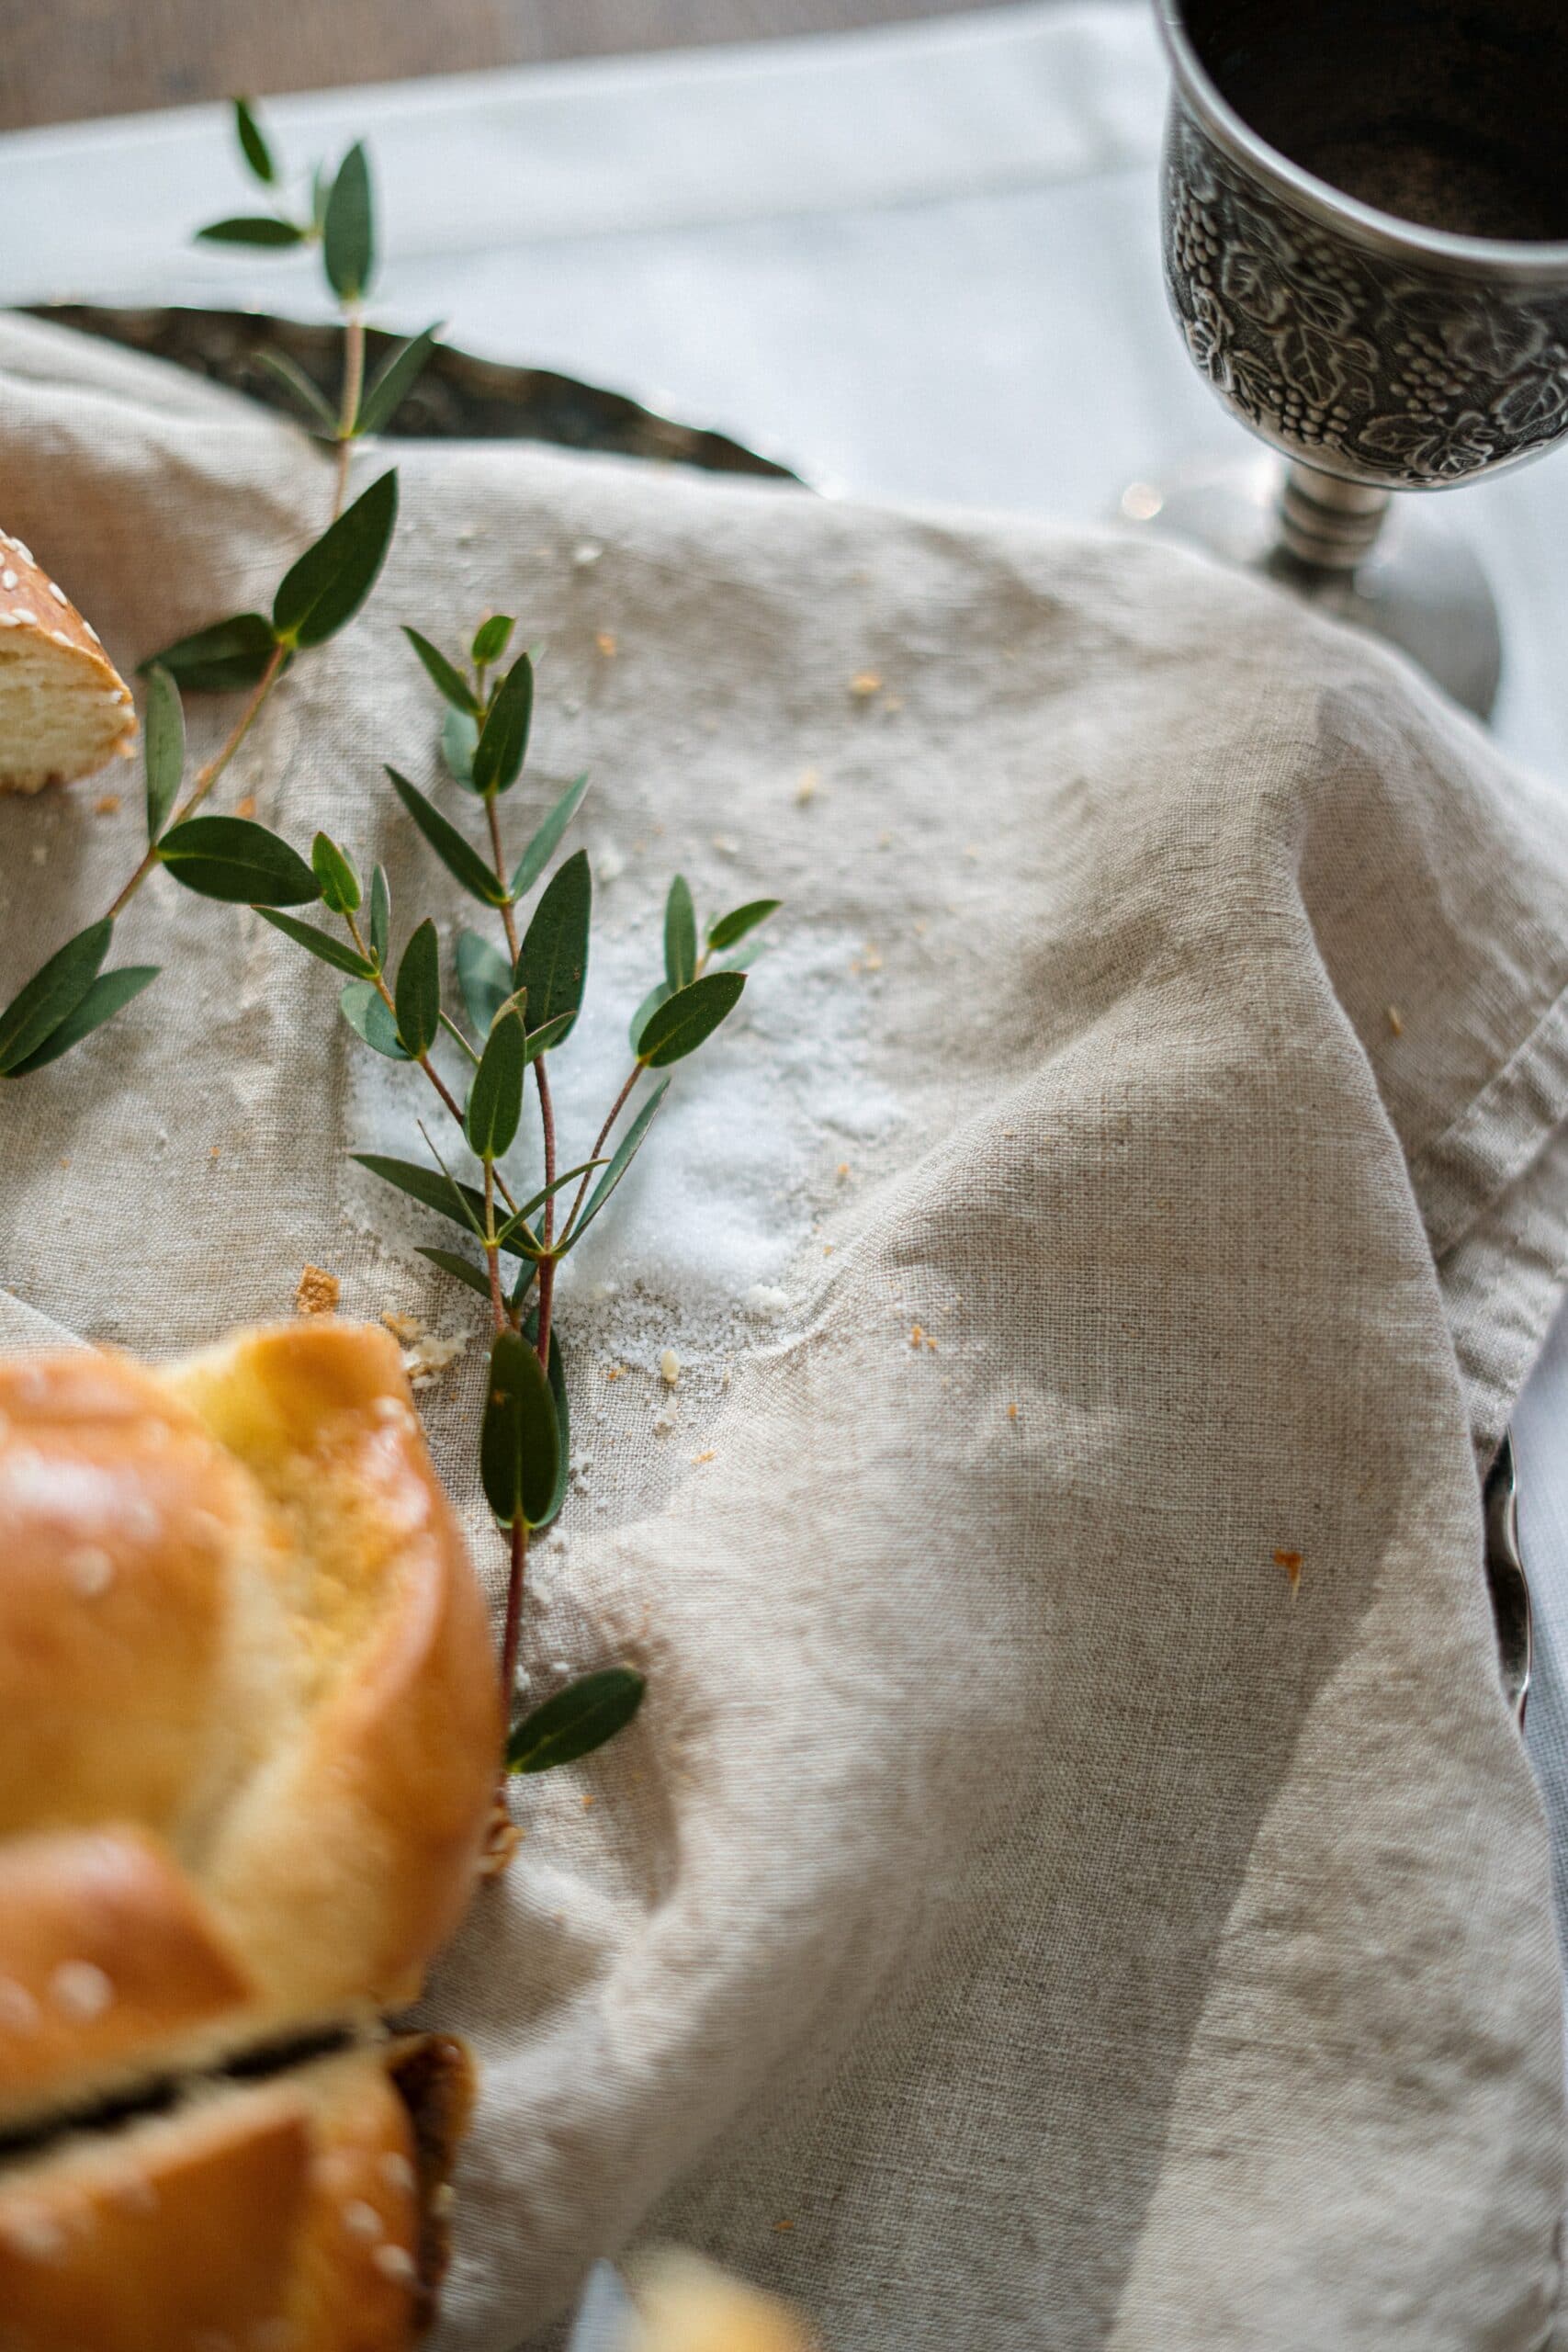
<point>1539,261</point>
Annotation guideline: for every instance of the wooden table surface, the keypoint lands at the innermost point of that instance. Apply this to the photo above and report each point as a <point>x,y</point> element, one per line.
<point>62,60</point>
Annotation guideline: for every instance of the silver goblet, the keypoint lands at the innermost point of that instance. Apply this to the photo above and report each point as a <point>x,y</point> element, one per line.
<point>1366,248</point>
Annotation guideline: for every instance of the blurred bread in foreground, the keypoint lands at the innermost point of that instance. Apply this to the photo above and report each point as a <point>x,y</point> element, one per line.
<point>249,1721</point>
<point>685,2304</point>
<point>65,711</point>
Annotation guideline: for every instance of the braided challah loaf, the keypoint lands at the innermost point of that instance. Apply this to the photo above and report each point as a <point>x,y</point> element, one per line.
<point>249,1724</point>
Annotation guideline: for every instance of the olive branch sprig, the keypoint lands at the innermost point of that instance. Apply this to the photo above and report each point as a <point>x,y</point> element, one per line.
<point>518,995</point>
<point>71,995</point>
<point>339,218</point>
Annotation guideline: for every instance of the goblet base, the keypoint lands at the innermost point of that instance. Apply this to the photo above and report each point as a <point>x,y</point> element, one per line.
<point>1419,585</point>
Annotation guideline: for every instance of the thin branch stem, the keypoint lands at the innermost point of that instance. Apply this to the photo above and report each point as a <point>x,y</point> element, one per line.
<point>492,1255</point>
<point>616,1107</point>
<point>454,1107</point>
<point>548,1233</point>
<point>428,1067</point>
<point>348,407</point>
<point>205,778</point>
<point>499,855</point>
<point>457,1039</point>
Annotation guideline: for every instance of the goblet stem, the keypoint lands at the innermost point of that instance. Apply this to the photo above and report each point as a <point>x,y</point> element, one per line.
<point>1326,524</point>
<point>1412,581</point>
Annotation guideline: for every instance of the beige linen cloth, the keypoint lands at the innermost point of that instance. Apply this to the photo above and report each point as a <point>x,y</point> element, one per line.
<point>1018,1918</point>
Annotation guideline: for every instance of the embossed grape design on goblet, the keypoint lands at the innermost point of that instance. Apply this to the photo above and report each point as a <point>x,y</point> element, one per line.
<point>1366,248</point>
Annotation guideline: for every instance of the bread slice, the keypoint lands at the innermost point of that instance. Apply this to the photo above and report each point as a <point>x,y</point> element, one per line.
<point>65,711</point>
<point>302,2212</point>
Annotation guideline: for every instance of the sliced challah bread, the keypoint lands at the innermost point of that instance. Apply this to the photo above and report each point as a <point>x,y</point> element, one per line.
<point>249,1723</point>
<point>303,2212</point>
<point>64,709</point>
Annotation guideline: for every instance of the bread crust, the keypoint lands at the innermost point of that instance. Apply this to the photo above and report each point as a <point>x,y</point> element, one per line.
<point>353,1856</point>
<point>107,1958</point>
<point>283,2216</point>
<point>249,1724</point>
<point>35,609</point>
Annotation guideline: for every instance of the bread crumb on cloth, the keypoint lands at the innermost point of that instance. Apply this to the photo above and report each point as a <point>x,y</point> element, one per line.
<point>425,1354</point>
<point>316,1293</point>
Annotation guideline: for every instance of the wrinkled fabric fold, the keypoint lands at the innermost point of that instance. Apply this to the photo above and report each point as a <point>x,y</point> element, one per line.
<point>1074,1882</point>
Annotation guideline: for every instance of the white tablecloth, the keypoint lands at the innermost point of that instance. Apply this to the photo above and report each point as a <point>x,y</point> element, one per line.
<point>919,262</point>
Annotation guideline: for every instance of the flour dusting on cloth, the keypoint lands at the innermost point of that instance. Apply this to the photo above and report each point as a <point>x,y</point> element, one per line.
<point>739,1167</point>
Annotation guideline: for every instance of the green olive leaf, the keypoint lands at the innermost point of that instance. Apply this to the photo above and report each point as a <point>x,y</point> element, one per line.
<point>630,1145</point>
<point>447,678</point>
<point>309,396</point>
<point>650,1005</point>
<point>348,230</point>
<point>503,738</point>
<point>163,748</point>
<point>490,640</point>
<point>680,937</point>
<point>519,1442</point>
<point>320,943</point>
<point>394,380</point>
<point>576,1721</point>
<point>682,1022</point>
<point>220,660</point>
<point>548,1034</point>
<point>556,1371</point>
<point>321,592</point>
<point>237,860</point>
<point>109,993</point>
<point>433,1187</point>
<point>732,927</point>
<point>546,841</point>
<point>519,1217</point>
<point>459,734</point>
<point>340,883</point>
<point>476,1277</point>
<point>55,990</point>
<point>253,228</point>
<point>252,143</point>
<point>495,1098</point>
<point>418,991</point>
<point>461,860</point>
<point>553,962</point>
<point>364,1009</point>
<point>381,916</point>
<point>484,978</point>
